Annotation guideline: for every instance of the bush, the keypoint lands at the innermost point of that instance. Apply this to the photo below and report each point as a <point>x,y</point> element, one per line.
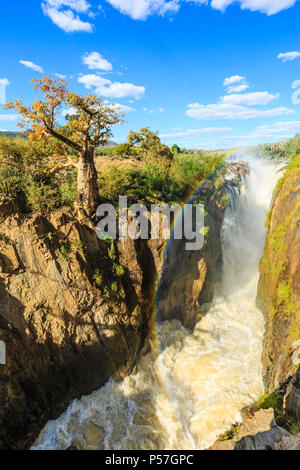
<point>122,150</point>
<point>114,182</point>
<point>25,167</point>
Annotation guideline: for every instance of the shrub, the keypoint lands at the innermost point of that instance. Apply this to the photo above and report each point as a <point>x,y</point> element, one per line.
<point>122,150</point>
<point>118,269</point>
<point>98,278</point>
<point>273,400</point>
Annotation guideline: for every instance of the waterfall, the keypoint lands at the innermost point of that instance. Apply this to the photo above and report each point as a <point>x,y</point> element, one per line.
<point>188,388</point>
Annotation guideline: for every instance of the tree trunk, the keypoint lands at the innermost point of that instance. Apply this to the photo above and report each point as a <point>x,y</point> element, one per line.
<point>88,197</point>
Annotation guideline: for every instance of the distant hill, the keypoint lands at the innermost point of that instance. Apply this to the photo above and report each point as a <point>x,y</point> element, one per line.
<point>110,145</point>
<point>11,134</point>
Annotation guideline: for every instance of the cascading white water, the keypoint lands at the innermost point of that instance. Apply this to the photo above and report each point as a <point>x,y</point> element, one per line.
<point>194,389</point>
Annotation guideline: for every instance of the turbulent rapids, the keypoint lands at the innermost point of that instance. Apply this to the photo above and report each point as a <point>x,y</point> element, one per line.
<point>188,388</point>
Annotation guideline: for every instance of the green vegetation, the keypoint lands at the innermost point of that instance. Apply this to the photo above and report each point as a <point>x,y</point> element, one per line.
<point>30,169</point>
<point>231,433</point>
<point>285,150</point>
<point>118,269</point>
<point>273,400</point>
<point>158,181</point>
<point>98,278</point>
<point>295,428</point>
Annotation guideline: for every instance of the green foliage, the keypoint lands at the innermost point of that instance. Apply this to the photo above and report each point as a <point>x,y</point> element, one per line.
<point>273,400</point>
<point>114,182</point>
<point>50,236</point>
<point>287,149</point>
<point>268,219</point>
<point>122,150</point>
<point>68,193</point>
<point>148,145</point>
<point>231,433</point>
<point>295,428</point>
<point>295,332</point>
<point>118,269</point>
<point>30,168</point>
<point>156,181</point>
<point>175,150</point>
<point>98,278</point>
<point>70,246</point>
<point>225,200</point>
<point>26,168</point>
<point>114,287</point>
<point>101,152</point>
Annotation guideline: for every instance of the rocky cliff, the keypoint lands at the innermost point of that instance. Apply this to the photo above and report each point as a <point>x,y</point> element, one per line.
<point>188,279</point>
<point>75,311</point>
<point>279,285</point>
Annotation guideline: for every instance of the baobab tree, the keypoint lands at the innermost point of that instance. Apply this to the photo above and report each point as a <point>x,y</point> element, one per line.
<point>88,126</point>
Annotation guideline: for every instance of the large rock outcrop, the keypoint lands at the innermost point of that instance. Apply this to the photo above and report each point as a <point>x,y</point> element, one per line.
<point>279,285</point>
<point>260,432</point>
<point>73,312</point>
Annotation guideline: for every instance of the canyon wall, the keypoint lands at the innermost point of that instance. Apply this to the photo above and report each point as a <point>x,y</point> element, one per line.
<point>279,285</point>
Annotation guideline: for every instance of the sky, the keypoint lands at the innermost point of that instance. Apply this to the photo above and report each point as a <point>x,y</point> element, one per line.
<point>209,74</point>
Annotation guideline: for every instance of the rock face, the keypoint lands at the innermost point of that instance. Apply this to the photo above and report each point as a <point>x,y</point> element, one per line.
<point>292,398</point>
<point>189,278</point>
<point>260,433</point>
<point>68,320</point>
<point>279,285</point>
<point>75,311</point>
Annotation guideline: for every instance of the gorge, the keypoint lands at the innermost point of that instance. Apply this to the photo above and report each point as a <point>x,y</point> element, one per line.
<point>174,380</point>
<point>189,387</point>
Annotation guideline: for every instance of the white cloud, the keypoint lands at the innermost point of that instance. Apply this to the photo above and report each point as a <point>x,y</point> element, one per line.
<point>69,112</point>
<point>196,132</point>
<point>152,111</point>
<point>236,84</point>
<point>60,75</point>
<point>95,61</point>
<point>260,98</point>
<point>231,111</point>
<point>238,88</point>
<point>82,6</point>
<point>237,105</point>
<point>66,19</point>
<point>31,65</point>
<point>9,117</point>
<point>288,56</point>
<point>121,108</point>
<point>141,9</point>
<point>4,82</point>
<point>271,133</point>
<point>270,7</point>
<point>279,130</point>
<point>111,89</point>
<point>233,80</point>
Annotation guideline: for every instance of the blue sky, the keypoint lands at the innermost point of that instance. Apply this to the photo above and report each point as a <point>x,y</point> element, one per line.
<point>205,74</point>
